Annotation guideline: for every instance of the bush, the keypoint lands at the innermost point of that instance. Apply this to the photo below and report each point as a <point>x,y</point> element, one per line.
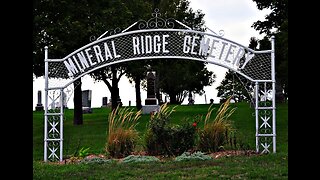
<point>216,133</point>
<point>122,135</point>
<point>163,138</point>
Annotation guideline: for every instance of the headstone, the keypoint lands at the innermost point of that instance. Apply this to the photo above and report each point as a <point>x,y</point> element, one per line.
<point>64,99</point>
<point>151,93</point>
<point>151,103</point>
<point>190,99</point>
<point>39,106</point>
<point>109,105</point>
<point>86,101</point>
<point>104,101</point>
<point>205,98</point>
<point>119,102</point>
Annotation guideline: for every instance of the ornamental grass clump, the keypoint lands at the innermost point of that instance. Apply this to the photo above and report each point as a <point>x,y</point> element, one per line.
<point>216,132</point>
<point>122,135</point>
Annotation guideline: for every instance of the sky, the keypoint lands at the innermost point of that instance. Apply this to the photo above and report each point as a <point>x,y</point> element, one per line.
<point>234,17</point>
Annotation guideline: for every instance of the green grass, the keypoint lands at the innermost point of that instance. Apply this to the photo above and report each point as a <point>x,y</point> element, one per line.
<point>93,134</point>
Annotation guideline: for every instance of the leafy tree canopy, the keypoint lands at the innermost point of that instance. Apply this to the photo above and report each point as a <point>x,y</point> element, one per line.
<point>276,24</point>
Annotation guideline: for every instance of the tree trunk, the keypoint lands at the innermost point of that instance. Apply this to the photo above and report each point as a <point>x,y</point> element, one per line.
<point>138,93</point>
<point>173,98</point>
<point>115,89</point>
<point>77,101</point>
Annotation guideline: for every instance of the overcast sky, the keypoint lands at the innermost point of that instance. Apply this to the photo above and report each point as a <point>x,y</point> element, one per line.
<point>235,17</point>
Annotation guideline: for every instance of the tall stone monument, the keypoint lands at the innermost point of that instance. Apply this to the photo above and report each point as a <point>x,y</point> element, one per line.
<point>151,93</point>
<point>151,103</point>
<point>39,106</point>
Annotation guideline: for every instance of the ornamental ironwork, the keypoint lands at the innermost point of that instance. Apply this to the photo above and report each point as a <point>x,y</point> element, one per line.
<point>159,38</point>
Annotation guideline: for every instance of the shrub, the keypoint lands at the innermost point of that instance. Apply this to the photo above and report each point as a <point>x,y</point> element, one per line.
<point>163,138</point>
<point>138,158</point>
<point>122,135</point>
<point>216,133</point>
<point>186,156</point>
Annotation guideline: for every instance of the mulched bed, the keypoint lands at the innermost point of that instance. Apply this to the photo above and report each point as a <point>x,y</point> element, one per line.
<point>215,155</point>
<point>229,153</point>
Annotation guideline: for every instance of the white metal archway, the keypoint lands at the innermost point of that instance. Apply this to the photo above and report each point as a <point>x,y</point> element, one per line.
<point>158,38</point>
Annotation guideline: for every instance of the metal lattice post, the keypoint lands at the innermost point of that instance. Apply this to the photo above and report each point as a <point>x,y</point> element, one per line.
<point>256,92</point>
<point>61,123</point>
<point>46,103</point>
<point>273,92</point>
<point>53,136</point>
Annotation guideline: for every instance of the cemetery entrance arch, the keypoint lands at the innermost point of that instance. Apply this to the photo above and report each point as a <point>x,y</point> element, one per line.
<point>158,38</point>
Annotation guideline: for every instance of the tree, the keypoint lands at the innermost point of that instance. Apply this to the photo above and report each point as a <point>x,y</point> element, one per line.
<point>114,73</point>
<point>232,86</point>
<point>63,26</point>
<point>123,15</point>
<point>67,25</point>
<point>136,71</point>
<point>253,43</point>
<point>277,19</point>
<point>276,24</point>
<point>77,112</point>
<point>179,77</point>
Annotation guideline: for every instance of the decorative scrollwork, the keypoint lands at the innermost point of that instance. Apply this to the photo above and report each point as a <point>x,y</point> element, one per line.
<point>221,33</point>
<point>114,31</point>
<point>156,22</point>
<point>92,38</point>
<point>170,23</point>
<point>265,112</point>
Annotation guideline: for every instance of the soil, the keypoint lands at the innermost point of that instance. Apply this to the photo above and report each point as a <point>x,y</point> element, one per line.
<point>229,153</point>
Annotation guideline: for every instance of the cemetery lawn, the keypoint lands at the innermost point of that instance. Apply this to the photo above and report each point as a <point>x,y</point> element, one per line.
<point>93,134</point>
